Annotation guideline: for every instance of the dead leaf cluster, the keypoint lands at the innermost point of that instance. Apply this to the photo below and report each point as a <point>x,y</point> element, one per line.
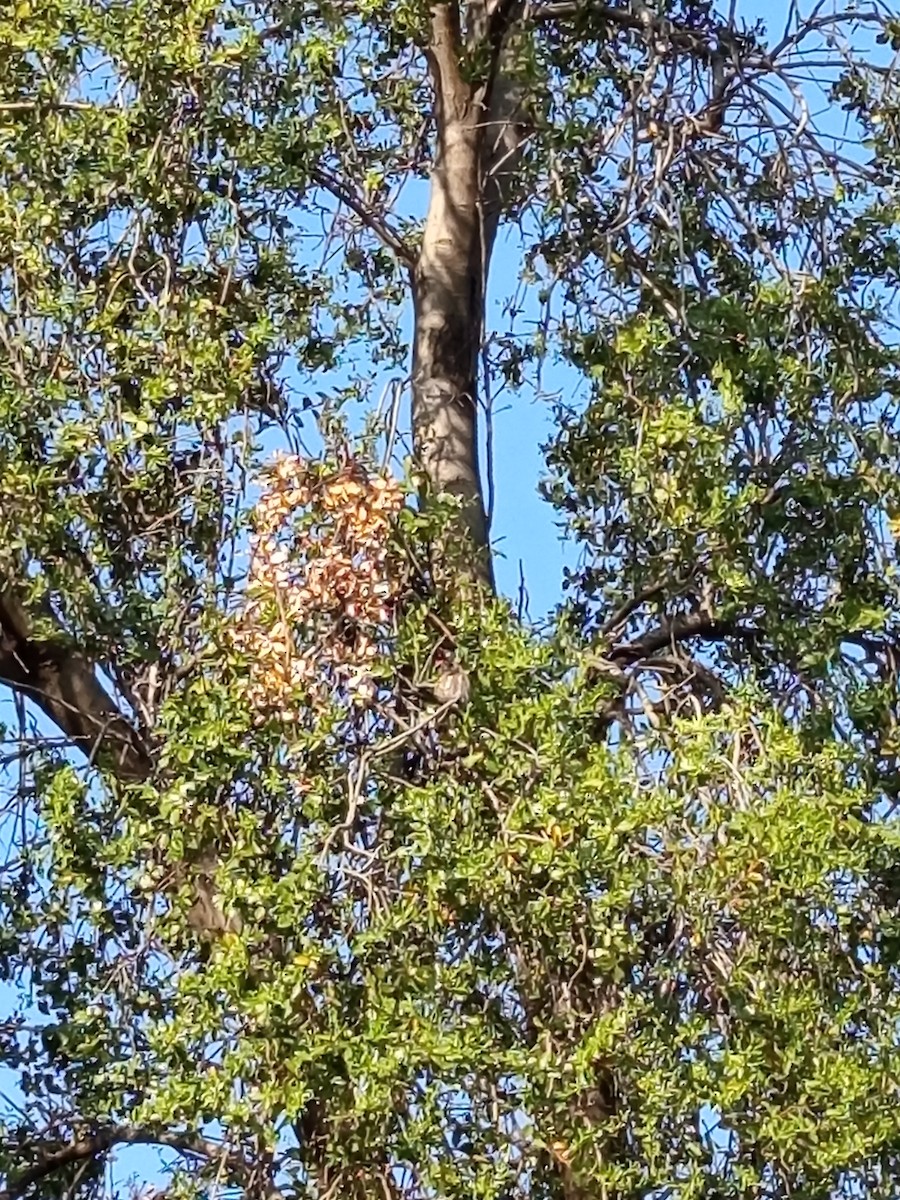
<point>321,588</point>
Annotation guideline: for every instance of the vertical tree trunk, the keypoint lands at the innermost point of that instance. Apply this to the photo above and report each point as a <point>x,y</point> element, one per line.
<point>478,148</point>
<point>449,296</point>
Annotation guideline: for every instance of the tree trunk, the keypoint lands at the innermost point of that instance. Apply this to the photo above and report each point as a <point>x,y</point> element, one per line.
<point>478,146</point>
<point>448,296</point>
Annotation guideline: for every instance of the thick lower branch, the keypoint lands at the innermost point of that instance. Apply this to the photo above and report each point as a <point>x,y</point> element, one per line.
<point>51,1158</point>
<point>63,685</point>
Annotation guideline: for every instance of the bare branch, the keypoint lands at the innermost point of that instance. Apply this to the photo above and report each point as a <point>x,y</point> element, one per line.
<point>63,685</point>
<point>370,219</point>
<point>45,105</point>
<point>703,45</point>
<point>53,1157</point>
<point>671,633</point>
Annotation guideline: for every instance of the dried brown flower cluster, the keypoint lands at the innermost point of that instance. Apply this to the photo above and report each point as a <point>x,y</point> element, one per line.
<point>321,591</point>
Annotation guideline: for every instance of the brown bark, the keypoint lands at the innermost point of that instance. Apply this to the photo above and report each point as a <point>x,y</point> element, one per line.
<point>474,158</point>
<point>62,683</point>
<point>448,296</point>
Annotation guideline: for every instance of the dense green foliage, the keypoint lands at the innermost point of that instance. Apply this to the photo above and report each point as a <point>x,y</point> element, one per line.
<point>618,917</point>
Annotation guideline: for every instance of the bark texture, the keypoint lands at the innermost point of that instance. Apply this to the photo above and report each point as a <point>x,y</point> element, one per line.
<point>62,683</point>
<point>478,143</point>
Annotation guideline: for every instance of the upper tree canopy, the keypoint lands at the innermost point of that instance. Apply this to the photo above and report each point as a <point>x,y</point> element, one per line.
<point>324,871</point>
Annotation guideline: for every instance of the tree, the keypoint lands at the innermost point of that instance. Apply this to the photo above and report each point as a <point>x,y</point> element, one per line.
<point>328,874</point>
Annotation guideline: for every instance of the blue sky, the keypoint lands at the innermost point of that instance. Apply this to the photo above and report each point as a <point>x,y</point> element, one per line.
<point>525,530</point>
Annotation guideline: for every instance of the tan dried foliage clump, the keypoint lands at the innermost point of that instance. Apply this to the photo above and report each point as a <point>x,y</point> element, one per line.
<point>321,591</point>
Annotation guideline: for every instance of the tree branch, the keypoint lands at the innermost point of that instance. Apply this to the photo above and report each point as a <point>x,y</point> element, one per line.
<point>702,44</point>
<point>13,106</point>
<point>671,633</point>
<point>62,683</point>
<point>445,45</point>
<point>499,20</point>
<point>55,1157</point>
<point>371,220</point>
